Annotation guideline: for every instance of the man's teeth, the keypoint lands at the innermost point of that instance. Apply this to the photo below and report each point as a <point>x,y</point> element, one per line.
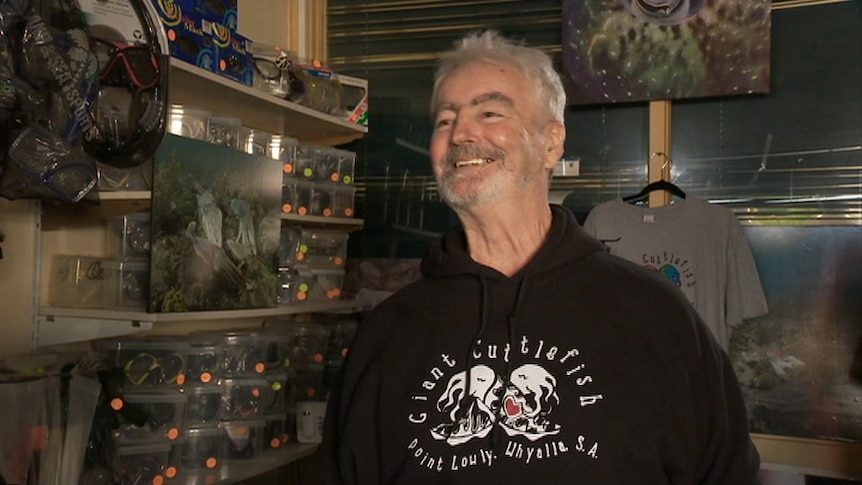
<point>475,161</point>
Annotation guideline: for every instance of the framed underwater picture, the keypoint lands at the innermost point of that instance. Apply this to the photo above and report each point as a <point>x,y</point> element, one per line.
<point>617,51</point>
<point>216,224</point>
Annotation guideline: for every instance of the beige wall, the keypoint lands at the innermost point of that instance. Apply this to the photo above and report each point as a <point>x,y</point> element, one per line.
<point>18,223</point>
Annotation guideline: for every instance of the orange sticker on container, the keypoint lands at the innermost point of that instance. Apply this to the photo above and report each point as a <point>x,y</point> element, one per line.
<point>158,480</point>
<point>211,462</point>
<point>173,433</point>
<point>327,212</point>
<point>259,368</point>
<point>171,471</point>
<point>348,212</point>
<point>288,168</point>
<point>117,404</point>
<point>275,443</point>
<point>206,377</point>
<point>339,260</point>
<point>335,177</point>
<point>181,379</point>
<point>172,35</point>
<point>255,392</point>
<point>302,211</point>
<point>301,296</point>
<point>287,207</point>
<point>311,392</point>
<point>318,357</point>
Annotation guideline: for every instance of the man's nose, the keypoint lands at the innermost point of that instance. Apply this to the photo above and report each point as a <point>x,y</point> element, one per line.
<point>465,130</point>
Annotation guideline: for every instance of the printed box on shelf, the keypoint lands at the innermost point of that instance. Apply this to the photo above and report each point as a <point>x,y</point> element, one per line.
<point>149,415</point>
<point>354,99</point>
<point>243,439</point>
<point>76,281</point>
<point>128,236</point>
<point>127,284</point>
<point>148,463</point>
<point>146,362</point>
<point>204,406</point>
<point>190,36</point>
<point>242,397</point>
<point>321,247</point>
<point>203,448</point>
<point>234,58</point>
<point>224,12</point>
<point>343,200</point>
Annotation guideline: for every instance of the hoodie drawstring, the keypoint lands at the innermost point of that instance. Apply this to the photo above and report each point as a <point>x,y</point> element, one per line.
<point>507,373</point>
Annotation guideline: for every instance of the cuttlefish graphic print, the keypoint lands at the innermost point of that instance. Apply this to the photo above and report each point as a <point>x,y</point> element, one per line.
<point>528,400</point>
<point>472,415</point>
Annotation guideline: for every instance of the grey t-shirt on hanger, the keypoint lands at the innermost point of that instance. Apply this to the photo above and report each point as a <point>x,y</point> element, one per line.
<point>698,246</point>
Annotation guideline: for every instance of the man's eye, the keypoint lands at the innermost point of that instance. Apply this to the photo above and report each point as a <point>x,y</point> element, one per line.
<point>490,114</point>
<point>442,123</point>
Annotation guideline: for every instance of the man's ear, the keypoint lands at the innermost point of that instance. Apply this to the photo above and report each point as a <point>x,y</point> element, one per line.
<point>555,141</point>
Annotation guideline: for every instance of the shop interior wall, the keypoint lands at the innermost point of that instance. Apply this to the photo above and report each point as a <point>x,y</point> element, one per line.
<point>789,163</point>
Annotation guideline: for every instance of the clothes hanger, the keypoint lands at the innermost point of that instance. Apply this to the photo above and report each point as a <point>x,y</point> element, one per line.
<point>661,184</point>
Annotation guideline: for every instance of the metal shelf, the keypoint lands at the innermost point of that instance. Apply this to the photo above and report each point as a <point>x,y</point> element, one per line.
<point>192,86</point>
<point>54,324</point>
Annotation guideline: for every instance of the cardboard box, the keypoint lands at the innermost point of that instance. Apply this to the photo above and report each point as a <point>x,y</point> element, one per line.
<point>354,98</point>
<point>189,36</point>
<point>234,57</point>
<point>223,12</point>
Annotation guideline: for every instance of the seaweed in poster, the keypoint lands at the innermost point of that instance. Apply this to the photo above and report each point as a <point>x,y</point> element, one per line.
<point>216,226</point>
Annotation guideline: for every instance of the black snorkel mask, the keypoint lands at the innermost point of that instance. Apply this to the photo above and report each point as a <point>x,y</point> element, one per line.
<point>132,105</point>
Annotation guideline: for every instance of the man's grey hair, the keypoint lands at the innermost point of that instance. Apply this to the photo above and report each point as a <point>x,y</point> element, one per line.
<point>490,46</point>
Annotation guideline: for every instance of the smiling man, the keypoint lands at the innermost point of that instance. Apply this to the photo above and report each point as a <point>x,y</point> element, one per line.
<point>526,353</point>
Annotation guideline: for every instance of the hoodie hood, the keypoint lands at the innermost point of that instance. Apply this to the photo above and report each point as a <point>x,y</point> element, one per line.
<point>449,255</point>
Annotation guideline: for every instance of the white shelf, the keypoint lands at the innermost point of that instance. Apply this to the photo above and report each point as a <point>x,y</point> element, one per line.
<point>234,472</point>
<point>67,325</point>
<point>192,86</point>
<point>344,222</point>
<point>237,471</point>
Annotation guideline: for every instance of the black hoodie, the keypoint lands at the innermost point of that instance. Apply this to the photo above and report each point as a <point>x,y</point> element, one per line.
<point>581,368</point>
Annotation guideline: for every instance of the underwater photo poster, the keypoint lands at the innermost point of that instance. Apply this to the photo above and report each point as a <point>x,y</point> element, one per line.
<point>617,51</point>
<point>216,223</point>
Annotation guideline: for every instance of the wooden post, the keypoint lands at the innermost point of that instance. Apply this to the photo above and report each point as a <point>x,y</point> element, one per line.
<point>659,150</point>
